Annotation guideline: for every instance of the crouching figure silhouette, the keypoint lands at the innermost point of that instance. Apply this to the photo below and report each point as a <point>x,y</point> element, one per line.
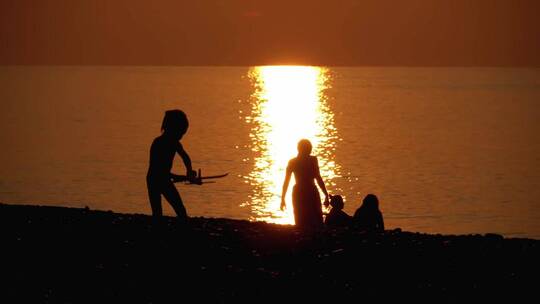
<point>368,217</point>
<point>337,217</point>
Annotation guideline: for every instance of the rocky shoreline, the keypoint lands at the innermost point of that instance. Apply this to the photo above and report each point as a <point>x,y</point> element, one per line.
<point>73,255</point>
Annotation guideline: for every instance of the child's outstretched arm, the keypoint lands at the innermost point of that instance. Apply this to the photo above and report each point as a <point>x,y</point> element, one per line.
<point>175,178</point>
<point>187,161</point>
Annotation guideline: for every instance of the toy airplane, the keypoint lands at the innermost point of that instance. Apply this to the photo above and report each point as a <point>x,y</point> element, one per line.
<point>198,180</point>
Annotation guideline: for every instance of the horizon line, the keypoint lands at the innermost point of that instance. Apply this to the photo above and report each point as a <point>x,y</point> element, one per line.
<point>277,64</point>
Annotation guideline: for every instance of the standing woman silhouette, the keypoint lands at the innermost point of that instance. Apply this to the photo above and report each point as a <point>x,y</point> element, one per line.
<point>306,200</point>
<point>159,177</point>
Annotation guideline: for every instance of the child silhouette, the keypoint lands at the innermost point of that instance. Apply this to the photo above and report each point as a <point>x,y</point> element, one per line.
<point>368,217</point>
<point>336,216</point>
<point>159,177</point>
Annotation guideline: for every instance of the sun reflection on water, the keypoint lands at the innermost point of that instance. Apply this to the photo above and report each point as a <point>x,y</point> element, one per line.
<point>288,104</point>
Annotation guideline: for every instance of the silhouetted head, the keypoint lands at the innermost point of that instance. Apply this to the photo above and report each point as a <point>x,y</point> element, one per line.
<point>175,123</point>
<point>336,201</point>
<point>371,202</point>
<point>304,147</point>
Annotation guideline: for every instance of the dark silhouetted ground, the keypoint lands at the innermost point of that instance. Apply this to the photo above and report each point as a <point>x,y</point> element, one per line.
<point>54,254</point>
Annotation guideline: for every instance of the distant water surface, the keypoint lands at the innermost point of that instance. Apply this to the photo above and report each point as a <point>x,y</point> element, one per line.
<point>447,150</point>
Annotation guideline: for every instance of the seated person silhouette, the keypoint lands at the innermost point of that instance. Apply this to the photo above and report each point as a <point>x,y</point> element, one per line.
<point>337,217</point>
<point>162,152</point>
<point>368,217</point>
<point>306,200</point>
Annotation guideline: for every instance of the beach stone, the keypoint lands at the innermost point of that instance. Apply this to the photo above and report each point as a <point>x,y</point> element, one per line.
<point>493,236</point>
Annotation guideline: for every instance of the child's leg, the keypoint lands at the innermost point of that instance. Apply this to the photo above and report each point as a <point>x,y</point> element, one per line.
<point>154,196</point>
<point>173,197</point>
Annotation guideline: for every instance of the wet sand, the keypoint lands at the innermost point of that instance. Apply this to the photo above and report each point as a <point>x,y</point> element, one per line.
<point>71,255</point>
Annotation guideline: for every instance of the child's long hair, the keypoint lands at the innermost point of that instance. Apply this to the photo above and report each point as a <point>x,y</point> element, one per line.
<point>174,120</point>
<point>370,202</point>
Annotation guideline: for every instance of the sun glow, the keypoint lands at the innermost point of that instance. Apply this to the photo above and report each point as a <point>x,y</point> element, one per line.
<point>288,104</point>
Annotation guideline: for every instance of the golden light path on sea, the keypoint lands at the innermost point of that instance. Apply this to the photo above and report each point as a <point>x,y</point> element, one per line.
<point>288,104</point>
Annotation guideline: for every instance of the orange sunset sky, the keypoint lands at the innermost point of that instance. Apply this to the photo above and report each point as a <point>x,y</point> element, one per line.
<point>242,32</point>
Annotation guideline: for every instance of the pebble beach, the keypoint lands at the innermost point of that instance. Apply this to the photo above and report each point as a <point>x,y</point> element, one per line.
<point>78,255</point>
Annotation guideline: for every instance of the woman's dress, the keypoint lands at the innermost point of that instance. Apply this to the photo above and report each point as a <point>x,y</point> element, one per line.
<point>305,197</point>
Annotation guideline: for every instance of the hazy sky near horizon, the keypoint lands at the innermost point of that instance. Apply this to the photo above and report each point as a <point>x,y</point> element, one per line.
<point>243,32</point>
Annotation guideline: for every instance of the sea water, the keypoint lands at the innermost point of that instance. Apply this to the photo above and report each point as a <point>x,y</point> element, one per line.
<point>446,150</point>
